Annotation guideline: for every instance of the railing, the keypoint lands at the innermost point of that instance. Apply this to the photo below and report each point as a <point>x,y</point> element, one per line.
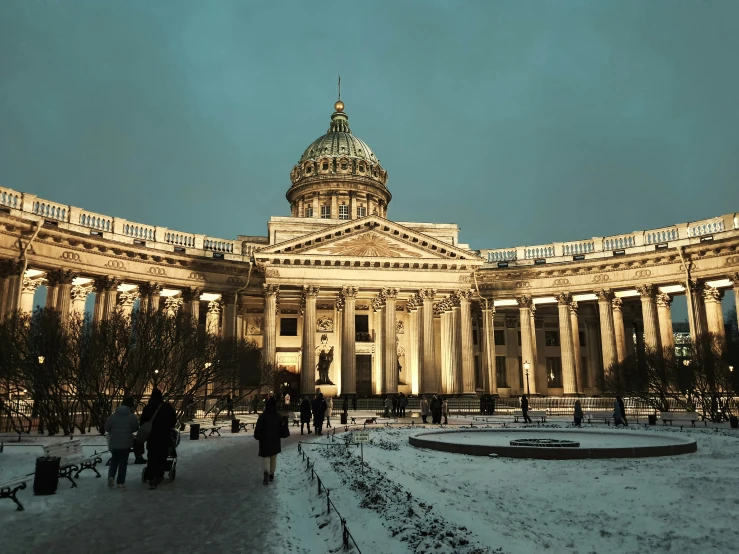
<point>619,243</point>
<point>575,248</point>
<point>94,221</point>
<point>535,252</point>
<point>365,336</point>
<point>219,245</point>
<point>179,239</point>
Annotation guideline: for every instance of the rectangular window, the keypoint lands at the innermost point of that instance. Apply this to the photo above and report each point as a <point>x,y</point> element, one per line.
<point>325,212</point>
<point>499,336</point>
<point>520,372</point>
<point>478,373</point>
<point>309,211</point>
<point>474,336</point>
<point>582,338</point>
<point>584,371</point>
<point>343,211</point>
<point>551,338</point>
<point>554,373</point>
<point>501,372</point>
<point>289,326</point>
<point>361,211</point>
<point>519,338</point>
<point>361,323</point>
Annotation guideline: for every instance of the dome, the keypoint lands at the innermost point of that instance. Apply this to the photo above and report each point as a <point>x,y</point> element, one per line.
<point>339,141</point>
<point>335,144</point>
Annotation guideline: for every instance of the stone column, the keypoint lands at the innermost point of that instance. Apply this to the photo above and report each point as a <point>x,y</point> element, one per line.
<point>649,316</point>
<point>301,207</point>
<point>429,374</point>
<point>334,205</point>
<point>696,310</point>
<point>269,325</point>
<point>27,292</point>
<point>126,300</point>
<point>575,326</point>
<point>65,278</point>
<point>414,353</point>
<point>213,317</point>
<point>617,306</point>
<point>352,205</point>
<point>567,348</point>
<point>191,299</point>
<point>378,324</point>
<point>111,298</point>
<point>488,347</point>
<point>607,334</point>
<point>390,373</point>
<point>348,340</point>
<point>150,294</point>
<point>527,353</point>
<point>308,358</point>
<point>79,297</point>
<point>534,349</point>
<point>10,280</point>
<point>229,315</point>
<point>316,213</point>
<point>52,289</point>
<point>468,353</point>
<point>735,280</point>
<point>100,284</point>
<point>715,317</point>
<point>241,317</point>
<point>664,314</point>
<point>443,309</point>
<point>456,345</point>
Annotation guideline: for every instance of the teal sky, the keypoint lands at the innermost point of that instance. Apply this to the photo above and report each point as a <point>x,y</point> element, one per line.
<point>524,122</point>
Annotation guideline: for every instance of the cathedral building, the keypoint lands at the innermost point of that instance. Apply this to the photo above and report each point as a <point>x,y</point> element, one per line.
<point>342,298</point>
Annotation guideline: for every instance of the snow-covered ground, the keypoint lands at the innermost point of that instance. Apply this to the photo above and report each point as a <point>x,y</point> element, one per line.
<point>408,500</point>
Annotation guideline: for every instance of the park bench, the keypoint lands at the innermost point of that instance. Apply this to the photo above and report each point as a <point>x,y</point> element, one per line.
<point>73,460</point>
<point>680,417</point>
<point>605,415</point>
<point>541,415</point>
<point>244,425</point>
<point>386,420</point>
<point>207,427</point>
<point>10,489</point>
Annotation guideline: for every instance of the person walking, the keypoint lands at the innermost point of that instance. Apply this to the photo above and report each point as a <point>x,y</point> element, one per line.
<point>436,410</point>
<point>617,415</point>
<point>254,403</point>
<point>319,412</point>
<point>287,401</point>
<point>163,419</point>
<point>329,410</point>
<point>388,404</point>
<point>402,403</point>
<point>305,414</point>
<point>229,406</point>
<point>622,406</point>
<point>525,409</point>
<point>395,405</point>
<point>268,431</point>
<point>120,426</point>
<point>578,414</point>
<point>424,409</point>
<point>445,411</point>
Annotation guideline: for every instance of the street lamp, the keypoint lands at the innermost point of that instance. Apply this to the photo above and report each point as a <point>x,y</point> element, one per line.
<point>41,359</point>
<point>527,366</point>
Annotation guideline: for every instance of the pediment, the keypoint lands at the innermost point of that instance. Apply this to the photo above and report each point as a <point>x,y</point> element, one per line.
<point>370,237</point>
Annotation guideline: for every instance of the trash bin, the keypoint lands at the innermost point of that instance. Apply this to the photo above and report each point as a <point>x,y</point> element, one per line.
<point>652,419</point>
<point>734,422</point>
<point>344,418</point>
<point>194,431</point>
<point>235,425</point>
<point>46,478</point>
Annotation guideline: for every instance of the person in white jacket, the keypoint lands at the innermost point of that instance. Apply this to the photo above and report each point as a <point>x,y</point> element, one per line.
<point>329,409</point>
<point>424,409</point>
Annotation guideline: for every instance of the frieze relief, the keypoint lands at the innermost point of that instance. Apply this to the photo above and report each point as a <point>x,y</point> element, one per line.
<point>235,281</point>
<point>70,256</point>
<point>196,276</point>
<point>560,282</point>
<point>732,260</point>
<point>115,264</point>
<point>370,244</point>
<point>362,307</point>
<point>325,324</point>
<point>254,325</point>
<point>522,285</point>
<point>255,310</point>
<point>158,271</point>
<point>601,278</point>
<point>641,273</point>
<point>399,327</point>
<point>325,307</point>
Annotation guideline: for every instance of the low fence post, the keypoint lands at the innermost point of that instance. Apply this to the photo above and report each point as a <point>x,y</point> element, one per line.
<point>328,502</point>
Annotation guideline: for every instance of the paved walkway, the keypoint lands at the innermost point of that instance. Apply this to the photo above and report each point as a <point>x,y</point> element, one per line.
<point>217,504</point>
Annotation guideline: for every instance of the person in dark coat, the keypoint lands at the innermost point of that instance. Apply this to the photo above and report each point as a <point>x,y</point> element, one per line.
<point>229,406</point>
<point>623,409</point>
<point>525,409</point>
<point>395,405</point>
<point>436,410</point>
<point>319,412</point>
<point>160,439</point>
<point>267,432</point>
<point>305,414</point>
<point>402,404</point>
<point>120,428</point>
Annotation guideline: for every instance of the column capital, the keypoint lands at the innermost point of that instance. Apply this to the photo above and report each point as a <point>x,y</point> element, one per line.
<point>465,295</point>
<point>617,304</point>
<point>172,304</point>
<point>664,300</point>
<point>564,298</point>
<point>192,293</point>
<point>228,297</point>
<point>349,291</point>
<point>57,277</point>
<point>127,298</point>
<point>105,282</point>
<point>215,306</point>
<point>426,294</point>
<point>604,295</point>
<point>524,301</point>
<point>150,289</point>
<point>694,286</point>
<point>712,294</point>
<point>80,292</point>
<point>270,290</point>
<point>30,285</point>
<point>647,291</point>
<point>390,293</point>
<point>9,267</point>
<point>734,278</point>
<point>378,302</point>
<point>309,290</point>
<point>574,306</point>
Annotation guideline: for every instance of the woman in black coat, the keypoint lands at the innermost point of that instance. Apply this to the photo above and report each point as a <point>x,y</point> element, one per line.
<point>305,413</point>
<point>160,438</point>
<point>267,432</point>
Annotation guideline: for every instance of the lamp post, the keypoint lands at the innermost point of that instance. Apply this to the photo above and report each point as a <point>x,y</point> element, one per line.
<point>40,419</point>
<point>527,366</point>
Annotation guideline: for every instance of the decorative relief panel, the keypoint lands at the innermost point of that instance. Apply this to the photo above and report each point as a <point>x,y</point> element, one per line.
<point>159,271</point>
<point>325,324</point>
<point>115,264</point>
<point>362,307</point>
<point>325,307</point>
<point>70,256</point>
<point>399,327</point>
<point>254,326</point>
<point>601,278</point>
<point>370,244</point>
<point>196,276</point>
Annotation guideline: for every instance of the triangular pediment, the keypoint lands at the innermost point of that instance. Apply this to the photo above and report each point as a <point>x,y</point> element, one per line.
<point>369,237</point>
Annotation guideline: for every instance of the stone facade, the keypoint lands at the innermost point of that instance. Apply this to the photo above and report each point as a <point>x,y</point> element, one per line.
<point>401,306</point>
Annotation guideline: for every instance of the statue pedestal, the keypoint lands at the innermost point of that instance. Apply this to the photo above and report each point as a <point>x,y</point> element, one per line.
<point>328,390</point>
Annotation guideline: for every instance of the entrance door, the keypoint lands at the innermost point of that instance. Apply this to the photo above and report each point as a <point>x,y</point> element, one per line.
<point>364,374</point>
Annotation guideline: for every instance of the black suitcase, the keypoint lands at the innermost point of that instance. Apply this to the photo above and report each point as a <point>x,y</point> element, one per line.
<point>46,478</point>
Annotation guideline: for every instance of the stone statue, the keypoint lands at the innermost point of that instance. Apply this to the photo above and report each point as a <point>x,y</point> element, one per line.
<point>325,357</point>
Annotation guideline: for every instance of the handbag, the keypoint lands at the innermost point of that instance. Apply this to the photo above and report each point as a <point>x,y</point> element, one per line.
<point>284,429</point>
<point>145,429</point>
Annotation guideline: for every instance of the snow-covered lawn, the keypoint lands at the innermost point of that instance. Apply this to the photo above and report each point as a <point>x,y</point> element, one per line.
<point>412,500</point>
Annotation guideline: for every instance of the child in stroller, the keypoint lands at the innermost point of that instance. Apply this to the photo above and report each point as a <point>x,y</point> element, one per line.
<point>171,465</point>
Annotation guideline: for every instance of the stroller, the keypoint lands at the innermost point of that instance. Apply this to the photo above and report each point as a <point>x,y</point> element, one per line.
<point>171,464</point>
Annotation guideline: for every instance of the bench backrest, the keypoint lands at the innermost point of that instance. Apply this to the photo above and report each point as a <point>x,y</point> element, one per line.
<point>64,449</point>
